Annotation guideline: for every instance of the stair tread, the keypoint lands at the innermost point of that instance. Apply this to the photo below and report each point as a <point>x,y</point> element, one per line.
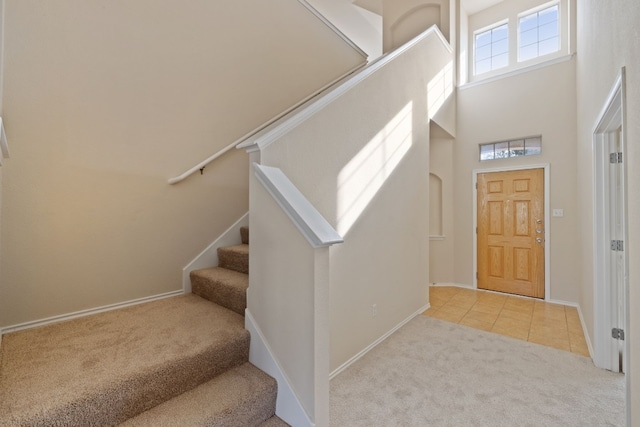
<point>234,258</point>
<point>242,248</point>
<point>114,365</point>
<point>242,396</point>
<point>221,286</point>
<point>231,277</point>
<point>244,235</point>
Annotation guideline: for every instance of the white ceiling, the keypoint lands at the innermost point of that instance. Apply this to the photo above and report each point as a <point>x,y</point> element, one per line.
<point>475,6</point>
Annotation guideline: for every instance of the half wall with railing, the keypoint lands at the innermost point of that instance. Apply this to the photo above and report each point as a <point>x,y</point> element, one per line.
<point>359,158</point>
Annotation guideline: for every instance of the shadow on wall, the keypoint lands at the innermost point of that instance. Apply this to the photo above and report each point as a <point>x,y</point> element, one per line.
<point>364,175</point>
<point>361,179</point>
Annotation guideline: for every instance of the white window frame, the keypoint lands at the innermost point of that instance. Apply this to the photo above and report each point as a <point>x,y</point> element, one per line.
<point>483,30</point>
<point>510,12</point>
<point>560,30</point>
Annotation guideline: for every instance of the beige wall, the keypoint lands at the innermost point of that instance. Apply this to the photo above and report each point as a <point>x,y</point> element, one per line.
<point>363,163</point>
<point>539,102</point>
<point>608,40</point>
<point>106,100</point>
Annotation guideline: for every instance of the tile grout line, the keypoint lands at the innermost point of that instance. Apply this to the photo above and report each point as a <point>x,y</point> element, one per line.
<point>533,307</point>
<point>545,310</point>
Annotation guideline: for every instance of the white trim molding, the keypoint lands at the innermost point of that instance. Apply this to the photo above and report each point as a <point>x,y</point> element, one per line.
<point>288,407</point>
<point>313,226</point>
<point>522,70</point>
<point>456,285</point>
<point>605,297</point>
<point>85,313</point>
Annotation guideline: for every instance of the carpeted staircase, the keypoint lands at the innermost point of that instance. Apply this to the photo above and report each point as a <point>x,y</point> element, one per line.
<point>180,361</point>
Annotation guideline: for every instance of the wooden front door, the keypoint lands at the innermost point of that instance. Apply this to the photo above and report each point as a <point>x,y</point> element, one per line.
<point>511,232</point>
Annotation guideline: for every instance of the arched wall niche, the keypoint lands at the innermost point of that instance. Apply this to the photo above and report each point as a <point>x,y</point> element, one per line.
<point>413,22</point>
<point>435,205</point>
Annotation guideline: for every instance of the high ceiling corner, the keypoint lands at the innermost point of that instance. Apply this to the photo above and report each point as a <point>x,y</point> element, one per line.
<point>475,6</point>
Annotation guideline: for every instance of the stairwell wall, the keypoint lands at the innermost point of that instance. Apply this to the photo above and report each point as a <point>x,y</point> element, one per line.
<point>363,162</point>
<point>103,102</point>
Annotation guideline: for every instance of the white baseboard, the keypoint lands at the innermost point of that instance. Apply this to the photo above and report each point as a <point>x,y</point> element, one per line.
<point>562,302</point>
<point>584,325</point>
<point>585,332</point>
<point>288,407</point>
<point>209,257</point>
<point>371,346</point>
<point>84,313</point>
<point>457,285</point>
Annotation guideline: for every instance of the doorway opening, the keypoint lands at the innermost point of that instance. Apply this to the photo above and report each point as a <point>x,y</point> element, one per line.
<point>611,258</point>
<point>522,266</point>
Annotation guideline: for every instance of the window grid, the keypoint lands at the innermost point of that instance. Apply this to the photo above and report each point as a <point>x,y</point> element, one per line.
<point>491,49</point>
<point>539,33</point>
<point>529,146</point>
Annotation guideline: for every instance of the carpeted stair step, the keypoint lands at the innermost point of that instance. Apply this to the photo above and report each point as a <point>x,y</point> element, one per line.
<point>234,258</point>
<point>225,287</point>
<point>106,368</point>
<point>244,235</point>
<point>242,396</point>
<point>274,421</point>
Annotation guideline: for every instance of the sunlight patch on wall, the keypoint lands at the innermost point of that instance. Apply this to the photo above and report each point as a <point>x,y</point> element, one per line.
<point>361,179</point>
<point>439,89</point>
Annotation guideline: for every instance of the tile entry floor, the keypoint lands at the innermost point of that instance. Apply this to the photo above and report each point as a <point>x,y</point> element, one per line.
<point>528,319</point>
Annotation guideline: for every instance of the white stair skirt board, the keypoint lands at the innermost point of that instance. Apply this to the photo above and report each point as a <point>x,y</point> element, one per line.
<point>371,346</point>
<point>209,257</point>
<point>84,313</point>
<point>288,406</point>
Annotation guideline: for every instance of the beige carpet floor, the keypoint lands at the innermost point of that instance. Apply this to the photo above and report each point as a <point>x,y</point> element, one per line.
<point>117,364</point>
<point>436,373</point>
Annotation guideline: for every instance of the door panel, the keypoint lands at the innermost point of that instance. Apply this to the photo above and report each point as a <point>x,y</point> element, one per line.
<point>510,220</point>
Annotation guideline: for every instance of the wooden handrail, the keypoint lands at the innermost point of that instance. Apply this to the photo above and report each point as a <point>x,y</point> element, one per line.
<point>200,166</point>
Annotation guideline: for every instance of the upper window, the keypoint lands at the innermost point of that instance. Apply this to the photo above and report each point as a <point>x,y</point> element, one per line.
<point>491,49</point>
<point>509,37</point>
<point>538,33</point>
<point>515,148</point>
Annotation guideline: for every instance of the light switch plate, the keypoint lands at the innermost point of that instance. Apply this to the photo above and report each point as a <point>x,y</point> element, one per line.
<point>558,212</point>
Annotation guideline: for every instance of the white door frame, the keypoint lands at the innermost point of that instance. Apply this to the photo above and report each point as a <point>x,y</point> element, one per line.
<point>547,226</point>
<point>611,118</point>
